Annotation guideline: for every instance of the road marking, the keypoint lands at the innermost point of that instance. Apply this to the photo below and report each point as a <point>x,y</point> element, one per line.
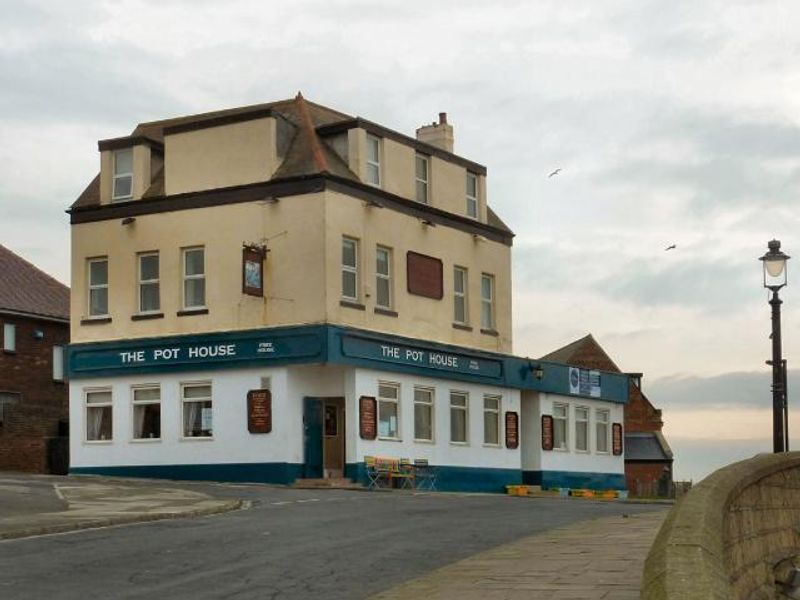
<point>58,493</point>
<point>307,500</point>
<point>280,503</point>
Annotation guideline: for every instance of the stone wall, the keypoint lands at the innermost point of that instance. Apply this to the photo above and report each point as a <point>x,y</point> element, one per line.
<point>725,538</point>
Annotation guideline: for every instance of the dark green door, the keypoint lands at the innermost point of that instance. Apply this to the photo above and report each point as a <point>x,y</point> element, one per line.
<point>312,437</point>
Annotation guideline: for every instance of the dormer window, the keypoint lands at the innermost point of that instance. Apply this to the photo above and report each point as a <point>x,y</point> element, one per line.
<point>472,195</point>
<point>373,160</point>
<point>422,178</point>
<point>123,175</point>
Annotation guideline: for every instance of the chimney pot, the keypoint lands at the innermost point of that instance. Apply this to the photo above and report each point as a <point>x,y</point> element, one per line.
<point>442,118</point>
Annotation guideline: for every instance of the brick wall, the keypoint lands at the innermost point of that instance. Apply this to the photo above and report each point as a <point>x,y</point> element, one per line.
<point>642,478</point>
<point>29,424</point>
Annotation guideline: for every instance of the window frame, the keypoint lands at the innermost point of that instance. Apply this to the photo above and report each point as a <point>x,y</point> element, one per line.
<point>87,405</point>
<point>59,350</point>
<point>463,294</point>
<point>195,277</point>
<point>606,423</point>
<point>184,401</point>
<point>472,201</point>
<point>97,286</point>
<point>490,302</point>
<point>374,163</point>
<point>386,400</point>
<point>565,446</point>
<point>465,409</point>
<point>586,423</point>
<point>8,398</point>
<point>431,406</point>
<point>157,281</point>
<point>135,403</point>
<point>350,268</point>
<point>115,176</point>
<point>383,276</point>
<point>496,411</point>
<point>425,160</point>
<point>10,348</point>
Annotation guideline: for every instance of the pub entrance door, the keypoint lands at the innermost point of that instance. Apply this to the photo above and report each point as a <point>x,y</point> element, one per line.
<point>323,437</point>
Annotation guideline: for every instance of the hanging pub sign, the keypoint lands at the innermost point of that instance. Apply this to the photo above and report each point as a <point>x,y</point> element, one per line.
<point>547,432</point>
<point>512,430</point>
<point>259,411</point>
<point>253,270</point>
<point>367,417</point>
<point>616,439</point>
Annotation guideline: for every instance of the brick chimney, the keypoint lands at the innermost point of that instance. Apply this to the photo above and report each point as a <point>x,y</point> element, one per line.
<point>437,134</point>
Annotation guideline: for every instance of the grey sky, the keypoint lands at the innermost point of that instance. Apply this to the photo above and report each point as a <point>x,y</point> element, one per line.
<point>673,122</point>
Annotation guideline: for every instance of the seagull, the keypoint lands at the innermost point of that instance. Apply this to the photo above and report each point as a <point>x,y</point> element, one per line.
<point>556,172</point>
<point>672,247</point>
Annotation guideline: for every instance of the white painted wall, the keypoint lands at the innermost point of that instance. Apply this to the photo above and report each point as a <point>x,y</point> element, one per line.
<point>441,451</point>
<point>535,404</point>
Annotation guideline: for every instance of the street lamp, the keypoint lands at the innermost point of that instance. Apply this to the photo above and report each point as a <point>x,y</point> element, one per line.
<point>774,263</point>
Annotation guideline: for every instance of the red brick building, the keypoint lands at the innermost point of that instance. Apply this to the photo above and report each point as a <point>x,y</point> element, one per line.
<point>34,331</point>
<point>648,457</point>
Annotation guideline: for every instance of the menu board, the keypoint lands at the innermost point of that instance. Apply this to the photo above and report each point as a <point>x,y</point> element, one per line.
<point>616,439</point>
<point>367,417</point>
<point>259,411</point>
<point>547,432</point>
<point>512,430</point>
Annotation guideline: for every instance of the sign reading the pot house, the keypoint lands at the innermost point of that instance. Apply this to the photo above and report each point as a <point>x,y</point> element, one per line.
<point>259,411</point>
<point>367,418</point>
<point>547,432</point>
<point>512,430</point>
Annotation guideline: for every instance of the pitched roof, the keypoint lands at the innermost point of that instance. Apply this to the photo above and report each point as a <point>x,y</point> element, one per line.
<point>647,446</point>
<point>586,353</point>
<point>26,289</point>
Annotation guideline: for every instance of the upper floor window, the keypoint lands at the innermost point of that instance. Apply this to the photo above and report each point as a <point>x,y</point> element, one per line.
<point>422,164</point>
<point>9,337</point>
<point>373,160</point>
<point>460,295</point>
<point>149,296</point>
<point>487,301</point>
<point>383,278</point>
<point>123,174</point>
<point>472,195</point>
<point>194,278</point>
<point>98,287</point>
<point>350,269</point>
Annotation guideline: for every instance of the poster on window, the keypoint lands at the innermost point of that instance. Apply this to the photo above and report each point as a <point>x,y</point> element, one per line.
<point>253,271</point>
<point>259,411</point>
<point>512,430</point>
<point>616,439</point>
<point>367,417</point>
<point>547,432</point>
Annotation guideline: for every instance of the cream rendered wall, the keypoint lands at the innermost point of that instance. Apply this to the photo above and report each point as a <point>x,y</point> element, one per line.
<point>293,276</point>
<point>221,156</point>
<point>418,316</point>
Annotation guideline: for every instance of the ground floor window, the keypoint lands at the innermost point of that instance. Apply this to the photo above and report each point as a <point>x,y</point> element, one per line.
<point>98,415</point>
<point>601,426</point>
<point>388,413</point>
<point>560,417</point>
<point>491,420</point>
<point>423,414</point>
<point>459,402</point>
<point>197,409</point>
<point>582,429</point>
<point>146,412</point>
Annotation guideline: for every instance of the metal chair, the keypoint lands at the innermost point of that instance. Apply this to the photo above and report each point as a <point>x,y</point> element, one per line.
<point>404,473</point>
<point>373,473</point>
<point>425,475</point>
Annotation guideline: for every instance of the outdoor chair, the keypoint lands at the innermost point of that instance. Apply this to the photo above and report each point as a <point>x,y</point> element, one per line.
<point>425,475</point>
<point>404,474</point>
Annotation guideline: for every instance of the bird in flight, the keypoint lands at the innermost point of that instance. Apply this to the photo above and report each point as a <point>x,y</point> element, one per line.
<point>556,172</point>
<point>672,247</point>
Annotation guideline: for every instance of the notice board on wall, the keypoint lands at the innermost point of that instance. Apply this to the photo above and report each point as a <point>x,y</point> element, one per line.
<point>616,439</point>
<point>547,432</point>
<point>512,430</point>
<point>367,418</point>
<point>424,275</point>
<point>259,411</point>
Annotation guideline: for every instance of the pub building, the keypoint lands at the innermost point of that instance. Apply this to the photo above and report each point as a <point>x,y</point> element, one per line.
<point>275,292</point>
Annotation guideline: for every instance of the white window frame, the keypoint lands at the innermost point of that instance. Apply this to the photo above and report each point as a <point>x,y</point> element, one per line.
<point>156,281</point>
<point>184,401</point>
<point>374,163</point>
<point>496,411</point>
<point>431,406</point>
<point>565,418</point>
<point>58,362</point>
<point>198,276</point>
<point>115,176</point>
<point>86,406</point>
<point>487,302</point>
<point>9,337</point>
<point>135,403</point>
<point>383,277</point>
<point>472,201</point>
<point>602,417</point>
<point>350,268</point>
<point>387,400</point>
<point>585,423</point>
<point>463,294</point>
<point>97,286</point>
<point>425,182</point>
<point>465,409</point>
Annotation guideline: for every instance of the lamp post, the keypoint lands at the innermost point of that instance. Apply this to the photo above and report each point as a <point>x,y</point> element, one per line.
<point>774,263</point>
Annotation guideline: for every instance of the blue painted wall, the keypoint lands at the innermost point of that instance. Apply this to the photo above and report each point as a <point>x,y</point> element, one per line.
<point>578,480</point>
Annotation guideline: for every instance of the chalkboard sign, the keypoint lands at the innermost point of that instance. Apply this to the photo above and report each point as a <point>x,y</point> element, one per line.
<point>259,411</point>
<point>367,417</point>
<point>616,439</point>
<point>547,432</point>
<point>512,430</point>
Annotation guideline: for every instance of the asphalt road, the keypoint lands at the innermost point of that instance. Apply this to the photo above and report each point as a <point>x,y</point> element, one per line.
<point>291,544</point>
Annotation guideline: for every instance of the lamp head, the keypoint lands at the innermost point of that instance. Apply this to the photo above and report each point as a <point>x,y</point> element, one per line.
<point>774,263</point>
